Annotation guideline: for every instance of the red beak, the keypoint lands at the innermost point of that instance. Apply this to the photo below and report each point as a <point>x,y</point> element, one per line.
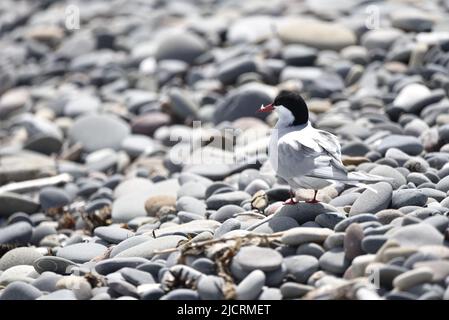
<point>267,108</point>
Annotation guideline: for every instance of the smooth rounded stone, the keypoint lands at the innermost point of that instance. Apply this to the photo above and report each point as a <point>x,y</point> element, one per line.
<point>439,222</point>
<point>55,264</point>
<point>372,202</point>
<point>148,248</point>
<point>191,204</point>
<point>183,46</point>
<point>242,102</point>
<point>358,218</point>
<point>113,234</point>
<point>334,261</point>
<point>372,244</point>
<point>79,285</point>
<point>381,38</point>
<point>121,288</point>
<point>20,291</point>
<point>62,294</point>
<point>353,241</point>
<point>407,144</point>
<point>417,178</point>
<point>316,34</point>
<point>194,227</point>
<point>416,235</point>
<point>155,268</point>
<point>226,212</point>
<point>23,273</point>
<point>335,240</point>
<point>14,101</point>
<point>109,132</point>
<point>155,203</point>
<point>18,217</point>
<point>443,184</point>
<point>310,249</point>
<point>17,233</point>
<point>47,281</point>
<point>128,243</point>
<point>204,265</point>
<point>137,144</point>
<point>101,296</point>
<point>147,124</point>
<point>13,202</point>
<point>304,212</point>
<point>412,278</point>
<point>185,217</point>
<point>81,252</point>
<point>128,207</point>
<point>229,71</point>
<point>136,277</point>
<point>277,224</point>
<point>256,185</point>
<point>412,20</point>
<point>293,290</point>
<point>388,215</point>
<point>227,226</point>
<point>329,219</point>
<point>270,294</point>
<point>214,187</point>
<point>300,235</point>
<point>133,185</point>
<point>408,197</point>
<point>386,171</point>
<point>181,294</point>
<point>355,149</point>
<point>51,197</point>
<point>433,194</point>
<point>210,288</point>
<point>387,273</point>
<point>249,258</point>
<point>19,256</point>
<point>192,189</point>
<point>40,232</point>
<point>440,268</point>
<point>344,200</point>
<point>217,201</point>
<point>301,267</point>
<point>250,287</point>
<point>108,266</point>
<point>299,55</point>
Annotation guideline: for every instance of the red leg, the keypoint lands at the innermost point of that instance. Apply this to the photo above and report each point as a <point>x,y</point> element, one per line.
<point>292,199</point>
<point>314,200</point>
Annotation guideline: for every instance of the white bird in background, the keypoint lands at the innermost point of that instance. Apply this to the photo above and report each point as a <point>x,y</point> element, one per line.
<point>303,156</point>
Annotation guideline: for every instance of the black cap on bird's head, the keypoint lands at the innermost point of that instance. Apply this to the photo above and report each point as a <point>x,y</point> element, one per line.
<point>293,102</point>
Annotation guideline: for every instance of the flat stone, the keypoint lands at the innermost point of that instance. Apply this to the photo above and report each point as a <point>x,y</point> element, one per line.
<point>55,264</point>
<point>300,235</point>
<point>407,144</point>
<point>13,202</point>
<point>22,273</point>
<point>63,294</point>
<point>301,267</point>
<point>20,291</point>
<point>293,290</point>
<point>416,235</point>
<point>16,233</point>
<point>334,261</point>
<point>148,248</point>
<point>217,201</point>
<point>51,197</point>
<point>192,227</point>
<point>316,34</point>
<point>81,252</point>
<point>353,241</point>
<point>412,278</point>
<point>373,202</point>
<point>386,171</point>
<point>47,281</point>
<point>108,266</point>
<point>113,234</point>
<point>250,287</point>
<point>19,256</point>
<point>210,288</point>
<point>249,258</point>
<point>136,277</point>
<point>408,197</point>
<point>183,46</point>
<point>109,132</point>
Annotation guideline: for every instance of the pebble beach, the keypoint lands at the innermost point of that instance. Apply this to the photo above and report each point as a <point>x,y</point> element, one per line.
<point>133,163</point>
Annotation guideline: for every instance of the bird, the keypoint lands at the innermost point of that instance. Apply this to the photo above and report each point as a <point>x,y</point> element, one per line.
<point>303,156</point>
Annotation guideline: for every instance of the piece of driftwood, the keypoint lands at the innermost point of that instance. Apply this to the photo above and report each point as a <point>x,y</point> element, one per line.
<point>29,185</point>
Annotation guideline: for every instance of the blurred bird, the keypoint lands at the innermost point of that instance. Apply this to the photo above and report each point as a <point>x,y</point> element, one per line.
<point>303,156</point>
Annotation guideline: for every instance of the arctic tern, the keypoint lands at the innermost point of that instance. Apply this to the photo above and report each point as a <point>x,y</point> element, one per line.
<point>303,156</point>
